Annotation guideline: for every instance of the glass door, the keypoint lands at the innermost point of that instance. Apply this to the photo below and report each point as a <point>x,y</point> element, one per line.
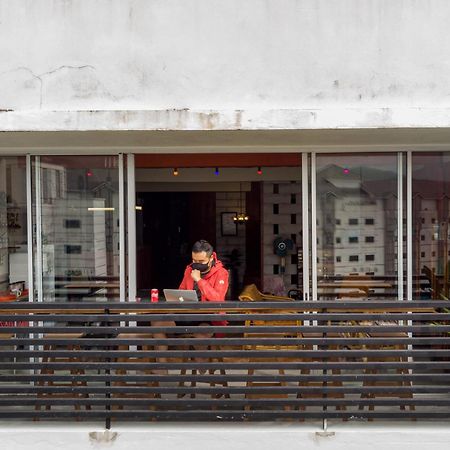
<point>356,230</point>
<point>77,222</point>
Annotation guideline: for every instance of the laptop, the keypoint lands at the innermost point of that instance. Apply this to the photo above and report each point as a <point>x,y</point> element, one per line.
<point>180,295</point>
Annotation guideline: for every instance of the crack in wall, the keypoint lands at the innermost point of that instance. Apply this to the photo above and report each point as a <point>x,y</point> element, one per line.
<point>40,76</point>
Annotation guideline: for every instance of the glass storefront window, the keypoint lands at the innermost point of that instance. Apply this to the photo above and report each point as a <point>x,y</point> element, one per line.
<point>356,226</point>
<point>79,214</point>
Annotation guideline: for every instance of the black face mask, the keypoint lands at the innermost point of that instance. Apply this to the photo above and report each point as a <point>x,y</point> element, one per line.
<point>200,266</point>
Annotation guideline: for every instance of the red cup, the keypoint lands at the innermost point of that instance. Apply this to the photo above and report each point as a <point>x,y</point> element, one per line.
<point>154,296</point>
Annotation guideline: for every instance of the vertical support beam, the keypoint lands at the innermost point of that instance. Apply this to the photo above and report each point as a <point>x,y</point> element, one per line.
<point>30,246</point>
<point>38,209</point>
<point>305,225</point>
<point>313,227</point>
<point>400,293</point>
<point>409,228</point>
<point>29,229</point>
<point>409,233</point>
<point>122,271</point>
<point>131,235</point>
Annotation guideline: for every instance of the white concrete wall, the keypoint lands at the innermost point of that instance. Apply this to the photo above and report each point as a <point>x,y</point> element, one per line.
<point>226,437</point>
<point>223,64</point>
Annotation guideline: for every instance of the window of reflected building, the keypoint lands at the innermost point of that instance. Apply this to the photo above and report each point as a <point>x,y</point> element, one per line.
<point>357,211</point>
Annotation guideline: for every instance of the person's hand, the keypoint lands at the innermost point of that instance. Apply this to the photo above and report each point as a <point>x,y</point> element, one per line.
<point>195,274</point>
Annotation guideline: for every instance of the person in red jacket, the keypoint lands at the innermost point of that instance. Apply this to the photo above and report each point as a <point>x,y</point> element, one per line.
<point>209,278</point>
<point>206,275</point>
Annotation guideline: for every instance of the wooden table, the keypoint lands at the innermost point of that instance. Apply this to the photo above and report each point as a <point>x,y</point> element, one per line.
<point>362,286</point>
<point>92,287</point>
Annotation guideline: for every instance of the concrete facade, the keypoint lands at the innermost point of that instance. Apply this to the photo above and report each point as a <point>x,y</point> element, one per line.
<point>218,437</point>
<point>253,65</point>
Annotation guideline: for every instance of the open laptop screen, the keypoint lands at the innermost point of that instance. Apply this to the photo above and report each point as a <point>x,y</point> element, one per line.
<point>180,295</point>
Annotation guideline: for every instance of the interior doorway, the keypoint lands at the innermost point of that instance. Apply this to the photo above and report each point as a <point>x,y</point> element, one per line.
<point>167,225</point>
<point>240,203</point>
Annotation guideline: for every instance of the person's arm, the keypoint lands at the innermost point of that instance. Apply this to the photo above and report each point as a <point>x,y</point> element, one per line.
<point>216,292</point>
<point>183,284</point>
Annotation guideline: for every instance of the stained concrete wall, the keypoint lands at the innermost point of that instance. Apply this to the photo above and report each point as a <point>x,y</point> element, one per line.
<point>223,64</point>
<point>226,437</point>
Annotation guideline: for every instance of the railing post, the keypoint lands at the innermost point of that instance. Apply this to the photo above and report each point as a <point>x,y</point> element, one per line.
<point>108,384</point>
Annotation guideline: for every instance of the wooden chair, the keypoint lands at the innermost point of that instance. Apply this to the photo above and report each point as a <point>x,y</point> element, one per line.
<point>50,371</point>
<point>194,372</point>
<point>434,281</point>
<point>400,383</point>
<point>318,384</point>
<point>275,348</point>
<point>135,359</point>
<point>250,293</point>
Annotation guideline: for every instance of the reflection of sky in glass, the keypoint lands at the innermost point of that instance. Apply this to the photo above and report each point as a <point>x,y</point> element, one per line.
<point>380,161</point>
<point>431,166</point>
<point>375,175</point>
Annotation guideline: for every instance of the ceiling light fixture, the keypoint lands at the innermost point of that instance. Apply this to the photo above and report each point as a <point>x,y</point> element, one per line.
<point>101,209</point>
<point>241,217</point>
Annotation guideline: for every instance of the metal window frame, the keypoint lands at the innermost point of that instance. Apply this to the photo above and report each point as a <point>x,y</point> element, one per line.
<point>400,293</point>
<point>409,227</point>
<point>29,229</point>
<point>38,209</point>
<point>122,262</point>
<point>305,224</point>
<point>131,227</point>
<point>127,226</point>
<point>400,246</point>
<point>314,227</point>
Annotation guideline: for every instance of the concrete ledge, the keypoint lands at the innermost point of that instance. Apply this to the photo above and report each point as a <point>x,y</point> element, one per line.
<point>349,436</point>
<point>204,120</point>
<point>249,141</point>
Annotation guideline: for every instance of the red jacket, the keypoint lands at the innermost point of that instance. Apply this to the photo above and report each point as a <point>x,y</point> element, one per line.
<point>213,285</point>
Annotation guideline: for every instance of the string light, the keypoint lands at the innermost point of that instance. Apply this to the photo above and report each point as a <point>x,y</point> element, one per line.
<point>216,172</point>
<point>259,171</point>
<point>175,172</point>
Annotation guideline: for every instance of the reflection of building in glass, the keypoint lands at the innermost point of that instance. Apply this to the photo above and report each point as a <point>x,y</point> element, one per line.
<point>79,230</point>
<point>431,232</point>
<point>13,224</point>
<point>79,236</point>
<point>431,217</point>
<point>356,221</point>
<point>430,224</point>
